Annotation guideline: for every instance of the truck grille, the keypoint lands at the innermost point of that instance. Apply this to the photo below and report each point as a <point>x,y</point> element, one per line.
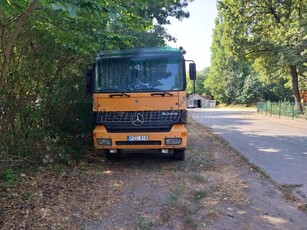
<point>140,121</point>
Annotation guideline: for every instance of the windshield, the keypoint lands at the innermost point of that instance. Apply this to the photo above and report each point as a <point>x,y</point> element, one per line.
<point>130,75</point>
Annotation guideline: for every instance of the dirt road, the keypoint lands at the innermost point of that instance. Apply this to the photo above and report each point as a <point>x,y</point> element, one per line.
<point>214,188</point>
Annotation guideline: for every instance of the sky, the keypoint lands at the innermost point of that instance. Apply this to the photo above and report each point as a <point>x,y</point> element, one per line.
<point>194,34</point>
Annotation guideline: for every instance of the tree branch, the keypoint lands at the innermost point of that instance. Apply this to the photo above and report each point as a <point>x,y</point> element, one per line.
<point>272,11</point>
<point>8,49</point>
<point>1,19</point>
<point>289,9</point>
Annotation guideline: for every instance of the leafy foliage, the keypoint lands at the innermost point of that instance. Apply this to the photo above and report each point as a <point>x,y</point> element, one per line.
<point>200,87</point>
<point>45,47</point>
<point>230,80</point>
<point>258,51</point>
<point>269,33</point>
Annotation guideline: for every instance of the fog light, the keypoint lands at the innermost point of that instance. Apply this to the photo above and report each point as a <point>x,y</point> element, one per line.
<point>173,141</point>
<point>104,141</point>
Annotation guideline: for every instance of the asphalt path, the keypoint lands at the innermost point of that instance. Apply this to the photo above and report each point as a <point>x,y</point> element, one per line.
<point>277,145</point>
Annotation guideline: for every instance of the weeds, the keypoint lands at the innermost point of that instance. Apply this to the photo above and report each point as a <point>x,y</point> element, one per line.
<point>27,195</point>
<point>177,193</point>
<point>59,168</point>
<point>165,215</point>
<point>303,207</point>
<point>190,224</point>
<point>198,178</point>
<point>143,224</point>
<point>199,194</point>
<point>9,176</point>
<point>97,173</point>
<point>187,209</point>
<point>288,190</point>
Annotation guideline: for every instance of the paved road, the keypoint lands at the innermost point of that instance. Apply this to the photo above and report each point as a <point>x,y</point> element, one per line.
<point>277,146</point>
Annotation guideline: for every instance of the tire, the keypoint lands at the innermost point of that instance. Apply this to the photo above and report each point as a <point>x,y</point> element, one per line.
<point>179,155</point>
<point>100,153</point>
<point>112,156</point>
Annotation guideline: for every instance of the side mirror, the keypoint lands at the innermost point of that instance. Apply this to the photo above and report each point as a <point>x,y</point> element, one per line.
<point>89,76</point>
<point>192,71</point>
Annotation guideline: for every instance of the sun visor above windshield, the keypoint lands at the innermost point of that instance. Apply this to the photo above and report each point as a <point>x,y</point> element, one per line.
<point>142,54</point>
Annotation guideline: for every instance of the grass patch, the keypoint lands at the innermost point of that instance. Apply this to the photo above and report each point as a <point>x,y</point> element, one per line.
<point>187,209</point>
<point>174,197</point>
<point>199,160</point>
<point>27,195</point>
<point>59,168</point>
<point>198,195</point>
<point>287,190</point>
<point>144,224</point>
<point>198,178</point>
<point>190,224</point>
<point>165,215</point>
<point>97,173</point>
<point>303,207</point>
<point>9,176</point>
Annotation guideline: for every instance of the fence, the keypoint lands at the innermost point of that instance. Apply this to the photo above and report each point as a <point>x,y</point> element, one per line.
<point>288,109</point>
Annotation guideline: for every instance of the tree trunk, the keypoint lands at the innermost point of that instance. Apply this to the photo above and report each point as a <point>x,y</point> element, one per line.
<point>9,47</point>
<point>295,89</point>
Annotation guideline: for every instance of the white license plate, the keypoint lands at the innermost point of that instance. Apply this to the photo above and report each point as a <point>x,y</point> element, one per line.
<point>137,138</point>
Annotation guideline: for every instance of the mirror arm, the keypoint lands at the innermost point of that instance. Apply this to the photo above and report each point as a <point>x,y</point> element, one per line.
<point>89,75</point>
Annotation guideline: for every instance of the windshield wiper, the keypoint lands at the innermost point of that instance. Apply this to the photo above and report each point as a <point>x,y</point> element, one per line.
<point>162,93</point>
<point>159,92</point>
<point>116,92</point>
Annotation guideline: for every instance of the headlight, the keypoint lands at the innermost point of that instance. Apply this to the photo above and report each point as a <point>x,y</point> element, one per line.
<point>173,141</point>
<point>104,141</point>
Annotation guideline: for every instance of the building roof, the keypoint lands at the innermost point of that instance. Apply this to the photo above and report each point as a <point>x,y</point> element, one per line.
<point>196,94</point>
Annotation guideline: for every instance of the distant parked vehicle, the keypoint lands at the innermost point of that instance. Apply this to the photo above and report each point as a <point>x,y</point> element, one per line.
<point>191,106</point>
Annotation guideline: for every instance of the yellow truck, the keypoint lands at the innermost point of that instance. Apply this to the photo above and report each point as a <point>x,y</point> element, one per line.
<point>139,100</point>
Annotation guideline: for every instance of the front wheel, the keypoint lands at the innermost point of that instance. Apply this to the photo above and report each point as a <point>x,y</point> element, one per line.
<point>179,155</point>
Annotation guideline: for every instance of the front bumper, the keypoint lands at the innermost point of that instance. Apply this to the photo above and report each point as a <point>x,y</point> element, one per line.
<point>156,140</point>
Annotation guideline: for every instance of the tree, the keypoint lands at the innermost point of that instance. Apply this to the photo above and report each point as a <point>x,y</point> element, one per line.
<point>84,26</point>
<point>43,106</point>
<point>6,49</point>
<point>270,30</point>
<point>200,88</point>
<point>230,80</point>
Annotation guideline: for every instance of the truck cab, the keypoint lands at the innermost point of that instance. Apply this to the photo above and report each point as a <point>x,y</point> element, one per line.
<point>139,100</point>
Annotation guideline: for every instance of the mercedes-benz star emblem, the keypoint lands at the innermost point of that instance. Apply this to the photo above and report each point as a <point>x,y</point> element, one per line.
<point>137,119</point>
